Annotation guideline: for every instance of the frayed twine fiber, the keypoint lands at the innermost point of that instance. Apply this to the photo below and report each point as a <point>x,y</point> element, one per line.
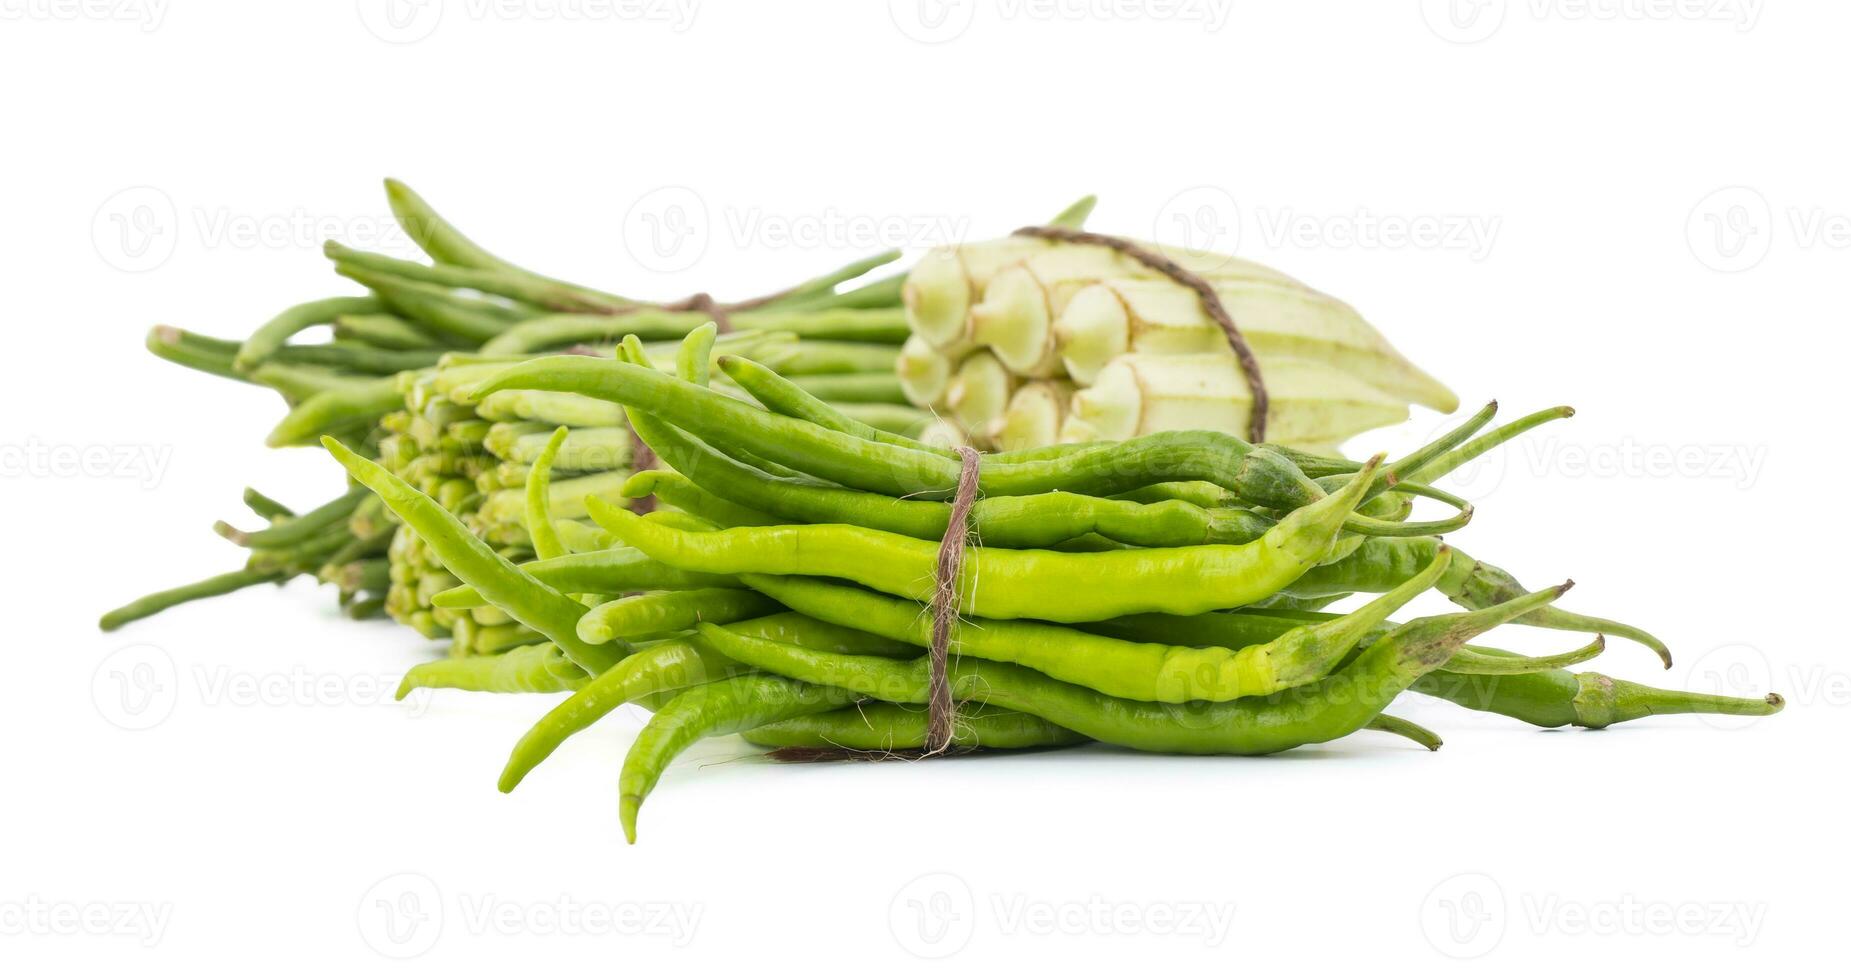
<point>941,713</point>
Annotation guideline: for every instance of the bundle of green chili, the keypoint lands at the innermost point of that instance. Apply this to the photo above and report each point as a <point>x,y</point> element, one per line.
<point>1160,593</point>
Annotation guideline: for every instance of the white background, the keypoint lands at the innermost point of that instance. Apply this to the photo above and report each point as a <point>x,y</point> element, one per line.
<point>1644,214</point>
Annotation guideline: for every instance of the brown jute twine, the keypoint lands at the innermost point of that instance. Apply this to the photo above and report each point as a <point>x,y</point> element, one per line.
<point>1211,304</point>
<point>715,310</point>
<point>941,713</point>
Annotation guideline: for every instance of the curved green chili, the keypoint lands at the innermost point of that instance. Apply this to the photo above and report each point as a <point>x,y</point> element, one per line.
<point>1556,698</point>
<point>1318,712</point>
<point>1139,671</point>
<point>671,666</point>
<point>679,492</point>
<point>1037,520</point>
<point>1259,475</point>
<point>612,571</point>
<point>721,707</point>
<point>1007,584</point>
<point>1380,563</point>
<point>654,614</point>
<point>538,517</point>
<point>538,668</point>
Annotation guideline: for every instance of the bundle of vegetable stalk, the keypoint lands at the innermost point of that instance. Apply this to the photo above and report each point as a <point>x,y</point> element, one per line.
<point>833,590</point>
<point>1053,335</point>
<point>384,385</point>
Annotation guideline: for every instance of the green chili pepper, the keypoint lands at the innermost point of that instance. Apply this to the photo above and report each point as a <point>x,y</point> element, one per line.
<point>1381,563</point>
<point>1005,584</point>
<point>655,614</point>
<point>537,669</point>
<point>1134,670</point>
<point>672,666</point>
<point>721,707</point>
<point>1259,475</point>
<point>874,729</point>
<point>539,518</point>
<point>609,571</point>
<point>1318,712</point>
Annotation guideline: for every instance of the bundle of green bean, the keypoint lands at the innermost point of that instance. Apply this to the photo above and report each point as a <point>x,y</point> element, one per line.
<point>384,381</point>
<point>1157,594</point>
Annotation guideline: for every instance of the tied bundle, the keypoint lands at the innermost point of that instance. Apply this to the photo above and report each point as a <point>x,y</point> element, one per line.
<point>1163,593</point>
